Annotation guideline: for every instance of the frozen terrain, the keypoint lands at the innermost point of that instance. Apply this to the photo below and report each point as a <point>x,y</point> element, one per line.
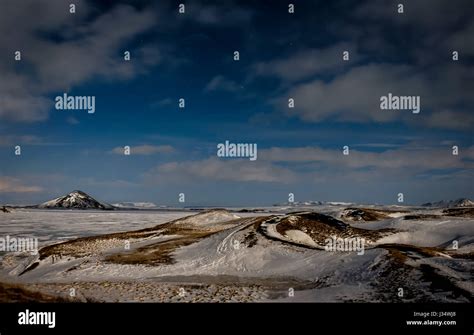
<point>53,226</point>
<point>221,255</point>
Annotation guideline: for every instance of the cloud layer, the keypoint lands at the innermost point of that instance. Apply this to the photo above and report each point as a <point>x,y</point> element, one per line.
<point>58,53</point>
<point>145,149</point>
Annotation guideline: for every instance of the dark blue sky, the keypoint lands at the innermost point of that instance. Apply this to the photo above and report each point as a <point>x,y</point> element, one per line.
<point>282,55</point>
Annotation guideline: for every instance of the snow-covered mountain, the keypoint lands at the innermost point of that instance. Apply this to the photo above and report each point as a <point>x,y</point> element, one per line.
<point>463,202</point>
<point>77,200</point>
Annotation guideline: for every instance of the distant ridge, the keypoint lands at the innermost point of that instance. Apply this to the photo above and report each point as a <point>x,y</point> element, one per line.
<point>137,205</point>
<point>313,203</point>
<point>462,202</point>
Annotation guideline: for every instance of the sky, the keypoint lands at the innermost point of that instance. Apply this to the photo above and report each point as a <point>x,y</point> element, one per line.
<point>282,55</point>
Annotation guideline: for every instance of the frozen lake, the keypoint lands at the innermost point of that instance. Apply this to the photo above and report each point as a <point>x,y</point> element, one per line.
<point>53,226</point>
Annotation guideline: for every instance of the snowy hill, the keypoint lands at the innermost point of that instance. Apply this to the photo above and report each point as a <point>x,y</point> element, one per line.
<point>463,202</point>
<point>77,200</point>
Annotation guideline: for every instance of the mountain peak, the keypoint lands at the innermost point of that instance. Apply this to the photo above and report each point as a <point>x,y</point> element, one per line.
<point>76,199</point>
<point>79,192</point>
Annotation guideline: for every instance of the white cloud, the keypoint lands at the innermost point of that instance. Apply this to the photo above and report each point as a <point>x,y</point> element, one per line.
<point>355,96</point>
<point>220,170</point>
<point>79,53</point>
<point>422,14</point>
<point>411,158</point>
<point>11,140</point>
<point>288,165</point>
<point>15,185</point>
<point>72,120</point>
<point>227,13</point>
<point>450,120</point>
<point>307,62</point>
<point>117,184</point>
<point>145,149</point>
<point>463,40</point>
<point>161,103</point>
<point>221,83</point>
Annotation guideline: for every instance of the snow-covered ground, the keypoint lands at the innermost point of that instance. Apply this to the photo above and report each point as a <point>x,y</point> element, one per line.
<point>53,226</point>
<point>234,256</point>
